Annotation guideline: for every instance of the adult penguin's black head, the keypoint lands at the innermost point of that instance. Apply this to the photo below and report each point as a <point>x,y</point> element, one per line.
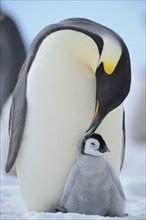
<point>113,79</point>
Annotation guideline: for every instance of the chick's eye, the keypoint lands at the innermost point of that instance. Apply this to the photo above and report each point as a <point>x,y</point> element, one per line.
<point>93,144</point>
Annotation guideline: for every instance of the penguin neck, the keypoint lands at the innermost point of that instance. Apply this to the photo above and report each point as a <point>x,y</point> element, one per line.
<point>89,162</point>
<point>67,45</point>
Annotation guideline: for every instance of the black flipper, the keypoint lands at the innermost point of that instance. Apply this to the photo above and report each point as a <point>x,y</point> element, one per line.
<point>17,120</point>
<point>124,141</point>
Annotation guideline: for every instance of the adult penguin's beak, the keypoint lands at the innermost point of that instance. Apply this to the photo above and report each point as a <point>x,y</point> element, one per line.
<point>112,86</point>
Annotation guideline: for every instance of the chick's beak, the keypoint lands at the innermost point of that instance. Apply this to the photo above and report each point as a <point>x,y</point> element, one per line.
<point>107,149</point>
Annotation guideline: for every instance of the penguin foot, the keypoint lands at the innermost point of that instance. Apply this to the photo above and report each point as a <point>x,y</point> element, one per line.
<point>62,209</point>
<point>53,210</point>
<point>57,209</point>
<point>116,215</point>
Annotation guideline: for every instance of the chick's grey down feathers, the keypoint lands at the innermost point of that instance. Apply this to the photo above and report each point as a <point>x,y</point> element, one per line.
<point>93,188</point>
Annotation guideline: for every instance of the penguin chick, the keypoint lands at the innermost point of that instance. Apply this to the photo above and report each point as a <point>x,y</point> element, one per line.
<point>92,186</point>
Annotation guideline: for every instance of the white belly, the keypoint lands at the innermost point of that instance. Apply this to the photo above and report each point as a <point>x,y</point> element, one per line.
<point>60,104</point>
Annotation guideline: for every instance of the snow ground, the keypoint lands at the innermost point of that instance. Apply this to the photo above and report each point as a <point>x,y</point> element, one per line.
<point>12,208</point>
<point>132,178</point>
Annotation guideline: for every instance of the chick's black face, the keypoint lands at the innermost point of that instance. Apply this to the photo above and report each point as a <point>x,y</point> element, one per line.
<point>96,142</point>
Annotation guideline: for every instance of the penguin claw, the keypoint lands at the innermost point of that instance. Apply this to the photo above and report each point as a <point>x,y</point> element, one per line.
<point>57,209</point>
<point>63,210</point>
<point>53,210</point>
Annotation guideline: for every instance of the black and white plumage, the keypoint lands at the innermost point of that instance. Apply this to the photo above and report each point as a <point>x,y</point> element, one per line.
<point>92,186</point>
<point>74,69</point>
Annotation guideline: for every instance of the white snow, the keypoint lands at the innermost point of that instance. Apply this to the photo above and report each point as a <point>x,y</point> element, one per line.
<point>12,208</point>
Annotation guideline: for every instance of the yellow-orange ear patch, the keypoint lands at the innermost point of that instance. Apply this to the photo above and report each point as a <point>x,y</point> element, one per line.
<point>111,54</point>
<point>108,67</point>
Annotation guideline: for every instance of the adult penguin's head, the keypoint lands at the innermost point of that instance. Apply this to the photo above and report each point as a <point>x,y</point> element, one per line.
<point>113,79</point>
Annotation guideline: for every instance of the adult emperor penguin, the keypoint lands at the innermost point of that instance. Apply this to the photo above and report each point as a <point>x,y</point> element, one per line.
<point>73,69</point>
<point>92,186</point>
